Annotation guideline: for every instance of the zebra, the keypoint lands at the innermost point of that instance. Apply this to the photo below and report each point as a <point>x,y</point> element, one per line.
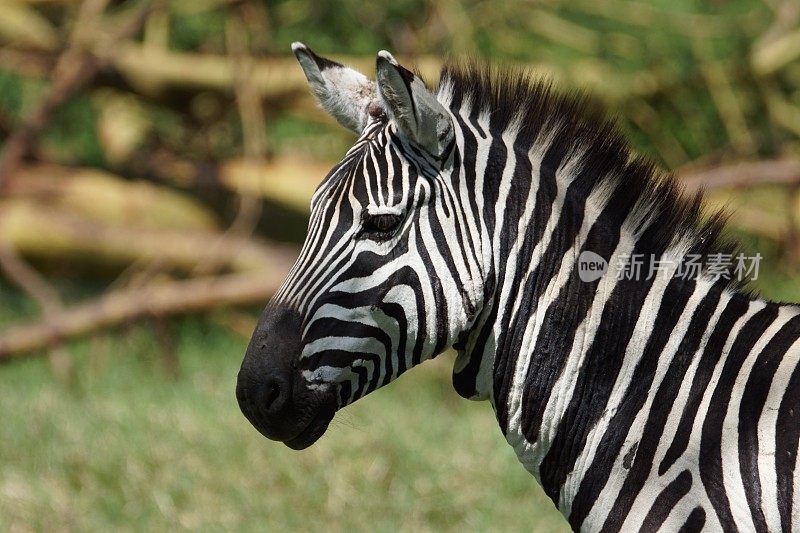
<point>460,218</point>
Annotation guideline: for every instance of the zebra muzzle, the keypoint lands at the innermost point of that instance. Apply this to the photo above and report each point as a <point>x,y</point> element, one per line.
<point>270,389</point>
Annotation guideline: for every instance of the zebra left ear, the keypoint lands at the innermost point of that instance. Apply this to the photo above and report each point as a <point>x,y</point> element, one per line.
<point>415,109</point>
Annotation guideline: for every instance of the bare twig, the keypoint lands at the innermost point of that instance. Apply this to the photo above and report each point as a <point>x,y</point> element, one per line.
<point>251,116</point>
<point>35,286</point>
<point>26,278</point>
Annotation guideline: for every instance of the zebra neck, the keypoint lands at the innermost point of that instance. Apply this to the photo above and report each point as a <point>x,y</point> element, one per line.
<point>550,350</point>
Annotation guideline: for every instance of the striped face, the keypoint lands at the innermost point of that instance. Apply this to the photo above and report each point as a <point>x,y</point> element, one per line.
<point>369,281</point>
<point>376,288</point>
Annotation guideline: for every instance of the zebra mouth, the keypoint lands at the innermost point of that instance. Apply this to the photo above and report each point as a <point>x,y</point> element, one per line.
<point>312,432</point>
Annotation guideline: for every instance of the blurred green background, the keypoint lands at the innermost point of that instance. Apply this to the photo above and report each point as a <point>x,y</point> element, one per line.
<point>156,163</point>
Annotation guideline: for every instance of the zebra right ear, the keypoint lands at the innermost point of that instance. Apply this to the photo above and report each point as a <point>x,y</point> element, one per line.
<point>414,108</point>
<point>344,93</point>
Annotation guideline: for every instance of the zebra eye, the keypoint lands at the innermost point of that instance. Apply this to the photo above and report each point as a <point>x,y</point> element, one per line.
<point>382,224</point>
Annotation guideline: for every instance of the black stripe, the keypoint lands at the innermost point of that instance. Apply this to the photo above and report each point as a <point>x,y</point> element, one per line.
<point>337,359</point>
<point>788,429</point>
<point>345,390</point>
<point>319,222</point>
<point>396,312</point>
<point>464,380</point>
<point>439,304</point>
<point>468,171</point>
<point>323,63</point>
<point>495,165</point>
<point>710,458</point>
<point>465,236</point>
<point>361,387</point>
<point>666,501</point>
<point>440,238</point>
<point>694,522</point>
<point>404,275</point>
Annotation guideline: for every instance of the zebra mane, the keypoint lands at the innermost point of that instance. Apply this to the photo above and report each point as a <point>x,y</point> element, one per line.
<point>576,124</point>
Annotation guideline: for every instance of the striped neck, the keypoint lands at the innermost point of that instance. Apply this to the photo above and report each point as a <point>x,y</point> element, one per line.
<point>548,348</point>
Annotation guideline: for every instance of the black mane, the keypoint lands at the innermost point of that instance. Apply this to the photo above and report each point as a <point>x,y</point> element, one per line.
<point>578,122</point>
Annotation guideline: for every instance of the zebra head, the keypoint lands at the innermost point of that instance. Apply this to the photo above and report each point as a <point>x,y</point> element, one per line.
<point>383,281</point>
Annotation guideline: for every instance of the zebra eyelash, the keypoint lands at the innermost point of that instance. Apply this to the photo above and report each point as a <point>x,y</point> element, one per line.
<point>380,225</point>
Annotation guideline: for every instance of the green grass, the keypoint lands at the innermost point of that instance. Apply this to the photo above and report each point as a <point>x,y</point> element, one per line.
<point>127,447</point>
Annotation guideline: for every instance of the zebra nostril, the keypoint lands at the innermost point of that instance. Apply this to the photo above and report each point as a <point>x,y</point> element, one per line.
<point>275,393</point>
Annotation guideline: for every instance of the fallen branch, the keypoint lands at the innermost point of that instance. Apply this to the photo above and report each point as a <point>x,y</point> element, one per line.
<point>106,198</point>
<point>745,174</point>
<point>121,307</point>
<point>770,57</point>
<point>36,231</point>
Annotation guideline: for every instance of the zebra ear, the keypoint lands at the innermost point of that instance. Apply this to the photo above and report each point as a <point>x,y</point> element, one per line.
<point>344,93</point>
<point>414,108</point>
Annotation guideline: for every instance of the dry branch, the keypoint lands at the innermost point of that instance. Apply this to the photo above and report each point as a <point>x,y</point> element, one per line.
<point>44,233</point>
<point>24,25</point>
<point>773,56</point>
<point>743,174</point>
<point>152,69</point>
<point>116,308</point>
<point>82,215</point>
<point>90,218</point>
